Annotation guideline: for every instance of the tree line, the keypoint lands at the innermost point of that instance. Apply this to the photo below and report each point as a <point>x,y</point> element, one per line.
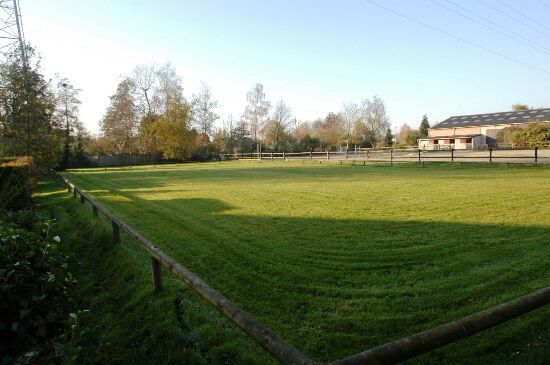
<point>148,113</point>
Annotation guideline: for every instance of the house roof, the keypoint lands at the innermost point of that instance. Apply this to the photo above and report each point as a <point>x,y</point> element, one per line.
<point>458,121</point>
<point>452,137</point>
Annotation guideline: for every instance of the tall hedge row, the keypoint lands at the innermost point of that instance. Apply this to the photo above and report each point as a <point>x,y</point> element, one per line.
<point>17,180</point>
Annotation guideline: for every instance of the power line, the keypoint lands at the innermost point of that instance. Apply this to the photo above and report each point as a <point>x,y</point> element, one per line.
<point>513,17</point>
<point>523,15</point>
<point>414,20</point>
<point>512,33</point>
<point>542,3</point>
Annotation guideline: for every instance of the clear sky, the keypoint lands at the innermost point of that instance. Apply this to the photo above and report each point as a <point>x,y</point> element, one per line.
<point>313,54</point>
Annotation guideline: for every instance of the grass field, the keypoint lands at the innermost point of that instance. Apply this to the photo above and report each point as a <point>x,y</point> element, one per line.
<point>338,259</point>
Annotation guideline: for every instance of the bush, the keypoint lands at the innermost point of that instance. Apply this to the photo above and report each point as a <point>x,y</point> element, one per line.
<point>522,136</point>
<point>17,180</point>
<point>34,282</point>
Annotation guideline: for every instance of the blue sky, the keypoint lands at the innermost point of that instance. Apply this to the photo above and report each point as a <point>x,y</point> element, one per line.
<point>314,55</point>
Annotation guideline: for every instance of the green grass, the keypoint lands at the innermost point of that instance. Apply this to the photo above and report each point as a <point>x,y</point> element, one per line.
<point>339,259</point>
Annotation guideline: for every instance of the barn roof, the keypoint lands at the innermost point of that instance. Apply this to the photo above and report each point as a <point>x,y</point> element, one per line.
<point>535,115</point>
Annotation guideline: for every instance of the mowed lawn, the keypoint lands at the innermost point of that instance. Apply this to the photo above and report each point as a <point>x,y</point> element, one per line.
<point>339,259</point>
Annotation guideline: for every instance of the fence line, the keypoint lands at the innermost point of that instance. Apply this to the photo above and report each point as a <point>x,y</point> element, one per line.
<point>390,353</point>
<point>392,155</point>
<point>266,338</point>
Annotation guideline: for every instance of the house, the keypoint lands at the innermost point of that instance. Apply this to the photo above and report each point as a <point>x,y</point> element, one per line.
<point>478,130</point>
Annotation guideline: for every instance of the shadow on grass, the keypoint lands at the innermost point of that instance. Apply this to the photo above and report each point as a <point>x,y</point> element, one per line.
<point>334,287</point>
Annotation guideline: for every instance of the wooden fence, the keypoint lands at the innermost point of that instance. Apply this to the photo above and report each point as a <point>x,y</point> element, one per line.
<point>391,155</point>
<point>390,353</point>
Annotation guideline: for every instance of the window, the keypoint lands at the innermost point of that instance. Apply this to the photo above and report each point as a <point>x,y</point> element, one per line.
<point>451,141</point>
<point>468,140</point>
<point>436,141</point>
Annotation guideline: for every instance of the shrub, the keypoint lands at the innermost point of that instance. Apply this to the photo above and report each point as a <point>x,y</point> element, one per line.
<point>34,282</point>
<point>17,180</point>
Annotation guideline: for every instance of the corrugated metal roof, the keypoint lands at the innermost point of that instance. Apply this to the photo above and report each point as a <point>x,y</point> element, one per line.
<point>458,121</point>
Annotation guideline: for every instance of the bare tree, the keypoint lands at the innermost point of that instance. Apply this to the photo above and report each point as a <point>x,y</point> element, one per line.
<point>350,115</point>
<point>168,91</point>
<point>375,117</point>
<point>256,112</point>
<point>519,107</point>
<point>203,109</point>
<point>275,130</point>
<point>144,78</point>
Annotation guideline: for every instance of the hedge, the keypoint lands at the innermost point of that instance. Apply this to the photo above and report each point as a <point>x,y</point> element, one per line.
<point>17,180</point>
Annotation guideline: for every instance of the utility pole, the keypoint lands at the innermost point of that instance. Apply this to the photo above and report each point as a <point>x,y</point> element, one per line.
<point>11,30</point>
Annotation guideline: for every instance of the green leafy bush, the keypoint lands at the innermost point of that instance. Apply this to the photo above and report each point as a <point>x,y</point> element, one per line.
<point>17,180</point>
<point>532,135</point>
<point>34,283</point>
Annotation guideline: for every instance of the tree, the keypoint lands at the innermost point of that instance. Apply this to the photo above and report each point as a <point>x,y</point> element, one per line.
<point>175,140</point>
<point>203,109</point>
<point>404,132</point>
<point>351,113</point>
<point>413,137</point>
<point>388,138</point>
<point>256,112</point>
<point>518,107</point>
<point>275,130</point>
<point>119,125</point>
<point>375,117</point>
<point>424,126</point>
<point>144,79</point>
<point>27,104</point>
<point>67,114</point>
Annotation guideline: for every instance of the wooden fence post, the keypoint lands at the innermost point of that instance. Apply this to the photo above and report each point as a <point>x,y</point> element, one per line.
<point>452,154</point>
<point>311,155</point>
<point>284,156</point>
<point>419,155</point>
<point>391,157</point>
<point>346,153</point>
<point>490,154</point>
<point>536,154</point>
<point>116,233</point>
<point>328,157</point>
<point>367,154</point>
<point>157,274</point>
<point>272,156</point>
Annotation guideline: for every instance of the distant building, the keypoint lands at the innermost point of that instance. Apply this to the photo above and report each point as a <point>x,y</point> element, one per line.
<point>478,130</point>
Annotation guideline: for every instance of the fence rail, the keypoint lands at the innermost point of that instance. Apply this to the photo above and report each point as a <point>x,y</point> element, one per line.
<point>390,353</point>
<point>534,155</point>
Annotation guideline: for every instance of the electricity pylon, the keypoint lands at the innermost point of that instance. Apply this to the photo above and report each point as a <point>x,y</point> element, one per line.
<point>11,30</point>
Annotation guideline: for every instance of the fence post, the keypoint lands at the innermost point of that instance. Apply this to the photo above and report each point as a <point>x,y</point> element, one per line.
<point>419,155</point>
<point>346,153</point>
<point>284,156</point>
<point>391,157</point>
<point>367,154</point>
<point>271,155</point>
<point>452,154</point>
<point>116,233</point>
<point>536,154</point>
<point>74,192</point>
<point>311,155</point>
<point>328,157</point>
<point>490,154</point>
<point>157,274</point>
